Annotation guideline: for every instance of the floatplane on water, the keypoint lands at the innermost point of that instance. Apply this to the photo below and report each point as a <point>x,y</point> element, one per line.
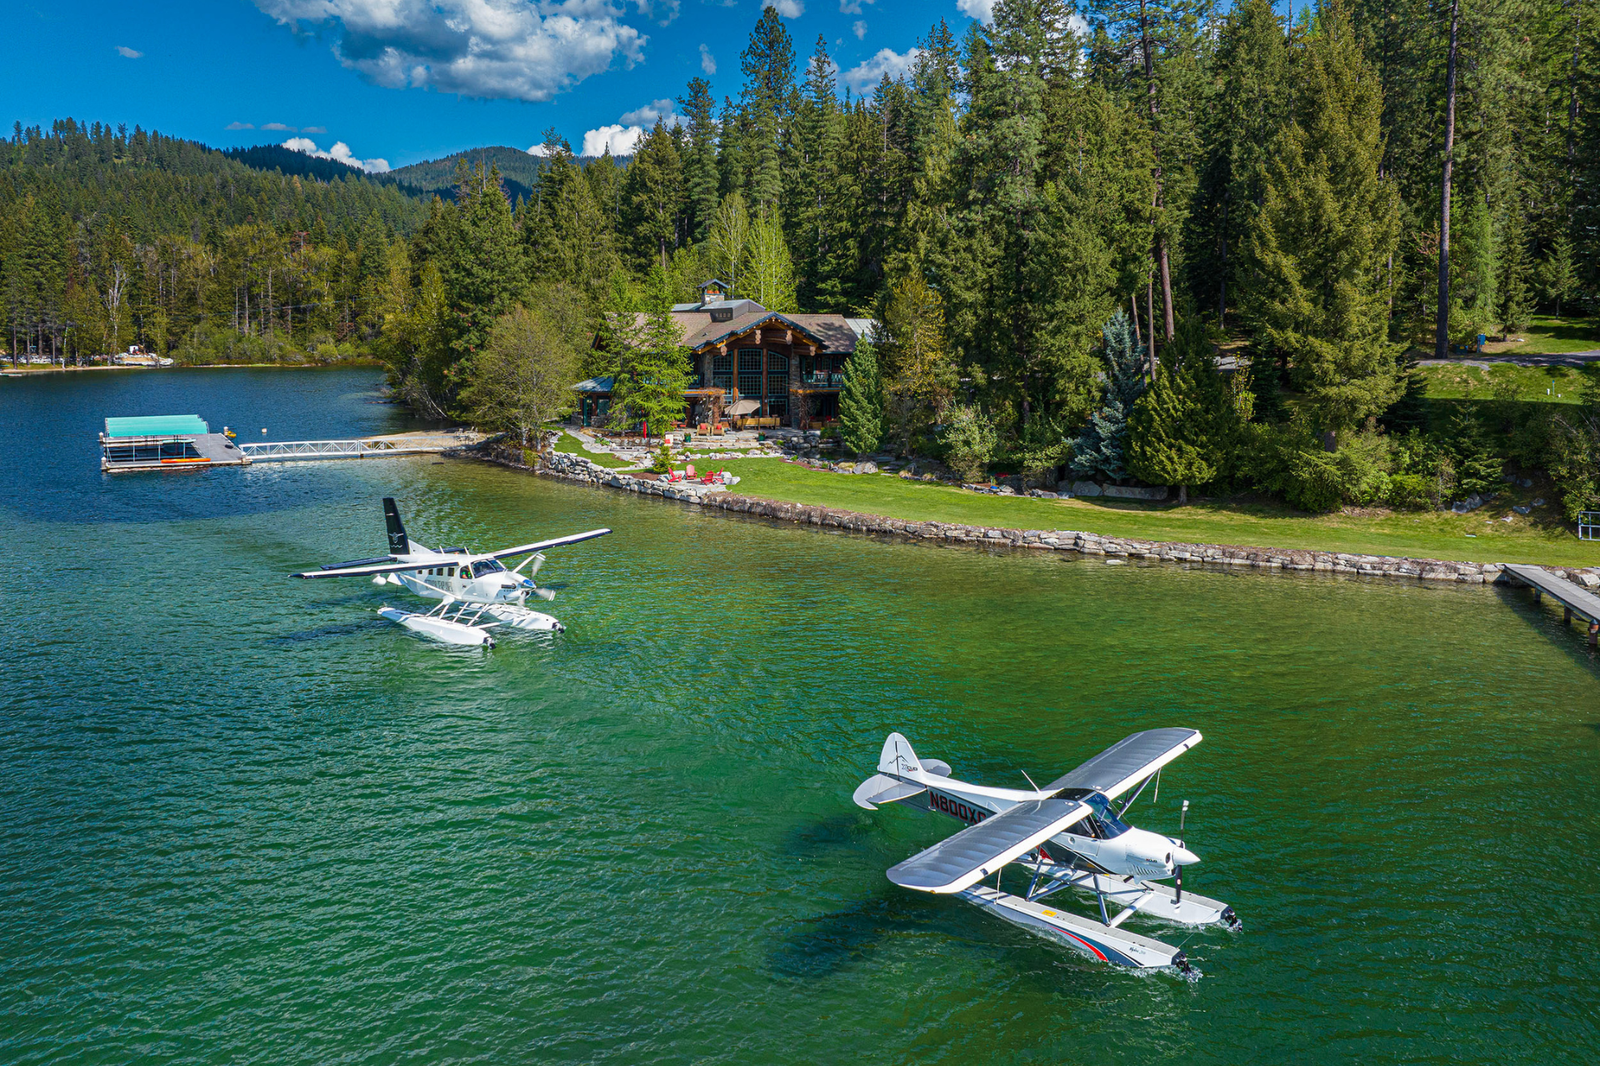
<point>1068,834</point>
<point>468,585</point>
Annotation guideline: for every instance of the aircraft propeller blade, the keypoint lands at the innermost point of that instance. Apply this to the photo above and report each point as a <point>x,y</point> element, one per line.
<point>545,594</point>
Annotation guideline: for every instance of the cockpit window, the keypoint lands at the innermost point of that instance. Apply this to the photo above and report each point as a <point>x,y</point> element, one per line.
<point>487,566</point>
<point>1108,823</point>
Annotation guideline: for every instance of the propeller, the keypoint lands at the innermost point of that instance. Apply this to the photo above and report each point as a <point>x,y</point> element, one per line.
<point>545,594</point>
<point>537,559</point>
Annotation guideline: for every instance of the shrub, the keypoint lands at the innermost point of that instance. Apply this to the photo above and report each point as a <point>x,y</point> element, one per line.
<point>1413,492</point>
<point>969,442</point>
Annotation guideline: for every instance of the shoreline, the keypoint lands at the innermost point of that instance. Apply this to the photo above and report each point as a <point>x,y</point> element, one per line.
<point>576,468</point>
<point>30,371</point>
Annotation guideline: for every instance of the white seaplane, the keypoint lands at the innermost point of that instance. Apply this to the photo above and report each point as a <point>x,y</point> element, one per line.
<point>468,585</point>
<point>1066,835</point>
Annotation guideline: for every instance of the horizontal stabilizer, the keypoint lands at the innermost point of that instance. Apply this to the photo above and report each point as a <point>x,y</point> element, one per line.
<point>980,850</point>
<point>880,788</point>
<point>1128,761</point>
<point>936,767</point>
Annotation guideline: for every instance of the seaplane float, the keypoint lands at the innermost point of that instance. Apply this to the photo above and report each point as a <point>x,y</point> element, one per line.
<point>1068,835</point>
<point>469,585</point>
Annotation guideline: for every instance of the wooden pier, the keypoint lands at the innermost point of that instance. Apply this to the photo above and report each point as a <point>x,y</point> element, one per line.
<point>1575,600</point>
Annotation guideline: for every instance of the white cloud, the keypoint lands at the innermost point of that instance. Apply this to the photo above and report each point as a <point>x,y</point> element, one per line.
<point>494,49</point>
<point>315,129</point>
<point>708,62</point>
<point>663,11</point>
<point>619,140</point>
<point>886,62</point>
<point>853,7</point>
<point>239,126</point>
<point>339,152</point>
<point>860,29</point>
<point>982,10</point>
<point>278,127</point>
<point>789,9</point>
<point>129,53</point>
<point>665,110</point>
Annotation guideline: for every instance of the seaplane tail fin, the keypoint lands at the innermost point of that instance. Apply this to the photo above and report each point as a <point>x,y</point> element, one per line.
<point>399,543</point>
<point>897,757</point>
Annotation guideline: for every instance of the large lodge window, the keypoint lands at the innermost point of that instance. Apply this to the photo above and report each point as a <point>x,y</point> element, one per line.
<point>750,373</point>
<point>722,372</point>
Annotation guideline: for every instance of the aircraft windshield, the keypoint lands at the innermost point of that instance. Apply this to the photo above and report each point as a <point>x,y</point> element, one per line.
<point>487,566</point>
<point>1110,825</point>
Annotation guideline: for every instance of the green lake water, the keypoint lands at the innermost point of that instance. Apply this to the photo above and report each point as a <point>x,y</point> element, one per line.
<point>243,819</point>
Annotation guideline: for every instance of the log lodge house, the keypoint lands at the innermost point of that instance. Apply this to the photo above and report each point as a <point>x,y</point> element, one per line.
<point>750,364</point>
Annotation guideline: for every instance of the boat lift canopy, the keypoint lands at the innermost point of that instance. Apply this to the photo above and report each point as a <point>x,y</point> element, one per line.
<point>157,426</point>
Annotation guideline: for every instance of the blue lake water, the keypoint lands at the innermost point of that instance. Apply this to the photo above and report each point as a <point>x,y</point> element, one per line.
<point>243,819</point>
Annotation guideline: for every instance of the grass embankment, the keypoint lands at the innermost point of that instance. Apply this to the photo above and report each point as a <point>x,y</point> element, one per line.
<point>1540,384</point>
<point>1436,535</point>
<point>573,446</point>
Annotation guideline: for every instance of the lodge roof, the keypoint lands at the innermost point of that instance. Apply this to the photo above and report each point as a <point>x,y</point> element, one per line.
<point>833,334</point>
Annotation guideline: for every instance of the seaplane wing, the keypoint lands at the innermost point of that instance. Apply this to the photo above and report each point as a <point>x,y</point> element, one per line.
<point>979,850</point>
<point>529,549</point>
<point>363,568</point>
<point>1127,762</point>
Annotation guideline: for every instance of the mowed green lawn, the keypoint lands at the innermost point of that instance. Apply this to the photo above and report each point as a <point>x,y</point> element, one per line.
<point>1541,538</point>
<point>573,446</point>
<point>1548,335</point>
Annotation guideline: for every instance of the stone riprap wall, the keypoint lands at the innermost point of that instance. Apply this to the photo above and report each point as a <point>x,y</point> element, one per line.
<point>577,468</point>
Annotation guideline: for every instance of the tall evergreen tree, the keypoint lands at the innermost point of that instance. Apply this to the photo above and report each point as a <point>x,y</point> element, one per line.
<point>1327,227</point>
<point>1184,428</point>
<point>653,189</point>
<point>700,156</point>
<point>861,401</point>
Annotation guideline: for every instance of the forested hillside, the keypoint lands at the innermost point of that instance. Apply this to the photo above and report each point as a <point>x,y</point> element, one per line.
<point>110,237</point>
<point>1056,231</point>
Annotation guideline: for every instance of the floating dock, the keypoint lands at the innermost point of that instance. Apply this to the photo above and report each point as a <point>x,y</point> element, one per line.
<point>165,442</point>
<point>1575,600</point>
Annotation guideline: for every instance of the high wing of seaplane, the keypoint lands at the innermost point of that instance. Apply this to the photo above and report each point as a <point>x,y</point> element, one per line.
<point>1067,835</point>
<point>468,584</point>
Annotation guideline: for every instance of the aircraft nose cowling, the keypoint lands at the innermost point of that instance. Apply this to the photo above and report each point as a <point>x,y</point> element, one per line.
<point>1182,856</point>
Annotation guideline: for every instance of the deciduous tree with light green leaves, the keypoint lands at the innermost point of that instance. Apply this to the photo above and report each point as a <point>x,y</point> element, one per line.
<point>522,378</point>
<point>769,280</point>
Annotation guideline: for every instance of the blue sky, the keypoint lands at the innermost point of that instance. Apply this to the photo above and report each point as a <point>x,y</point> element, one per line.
<point>406,80</point>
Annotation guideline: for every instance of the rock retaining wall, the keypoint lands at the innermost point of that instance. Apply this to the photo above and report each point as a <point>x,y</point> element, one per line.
<point>577,468</point>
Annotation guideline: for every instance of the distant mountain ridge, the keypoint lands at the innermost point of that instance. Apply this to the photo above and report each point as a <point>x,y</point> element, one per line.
<point>519,171</point>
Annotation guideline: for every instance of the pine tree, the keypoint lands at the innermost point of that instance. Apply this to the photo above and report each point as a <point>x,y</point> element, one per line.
<point>654,366</point>
<point>1516,290</point>
<point>767,101</point>
<point>654,192</point>
<point>1098,451</point>
<point>1328,225</point>
<point>700,157</point>
<point>485,274</point>
<point>1557,275</point>
<point>1182,430</point>
<point>861,401</point>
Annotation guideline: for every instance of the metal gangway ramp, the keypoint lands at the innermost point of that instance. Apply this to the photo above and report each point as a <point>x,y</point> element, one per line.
<point>1574,598</point>
<point>356,448</point>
